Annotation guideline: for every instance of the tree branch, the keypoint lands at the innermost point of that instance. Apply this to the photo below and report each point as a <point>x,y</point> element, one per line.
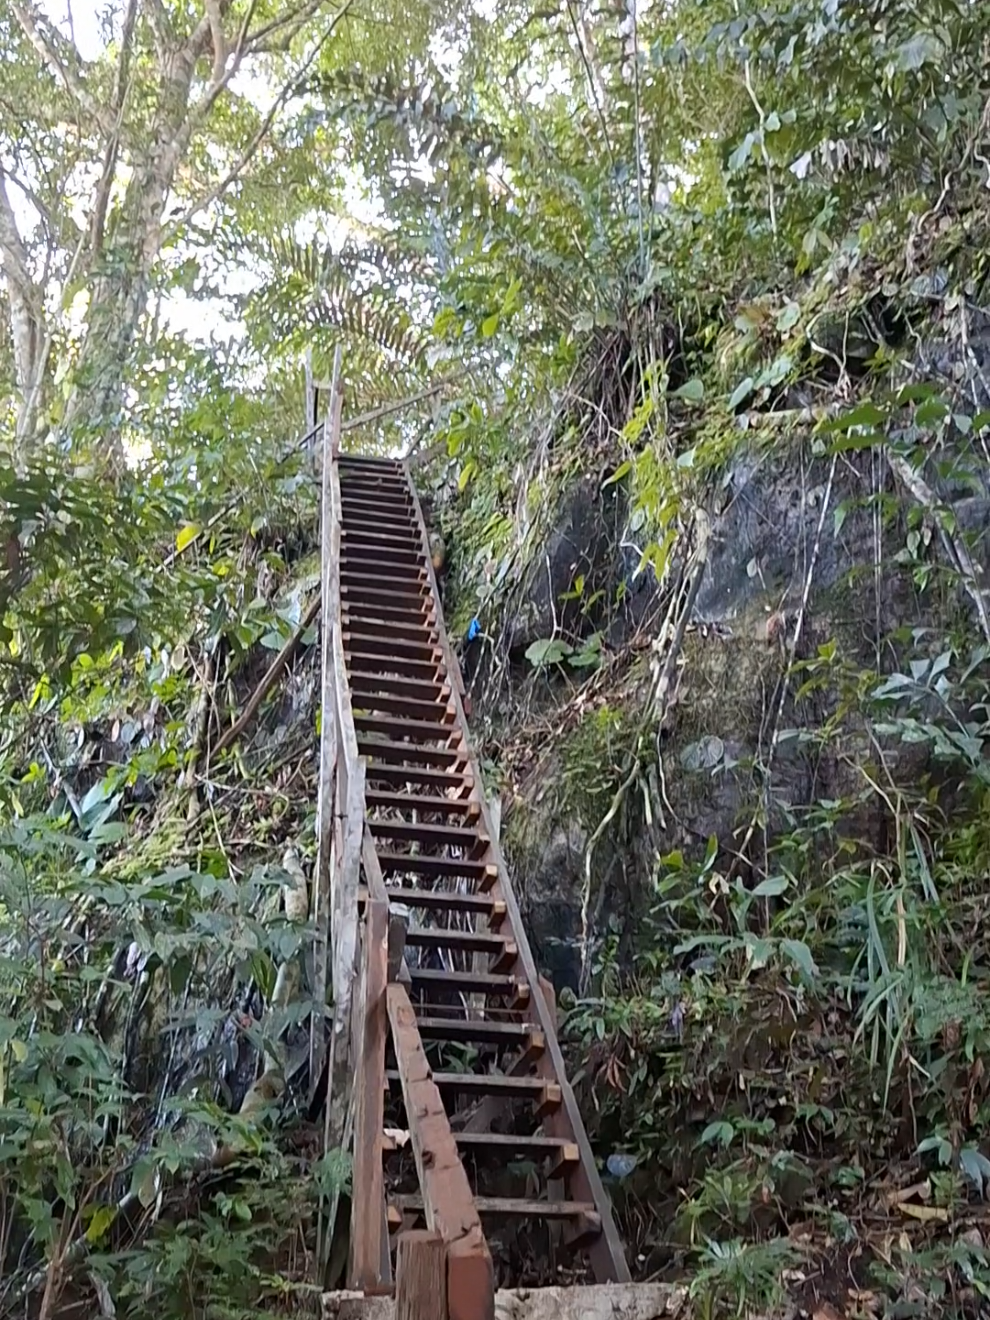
<point>59,56</point>
<point>268,680</point>
<point>26,317</point>
<point>161,27</point>
<point>215,20</point>
<point>264,128</point>
<point>120,86</point>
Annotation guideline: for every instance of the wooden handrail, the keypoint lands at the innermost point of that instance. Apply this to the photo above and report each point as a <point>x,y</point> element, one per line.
<point>450,659</point>
<point>359,1027</point>
<point>329,786</point>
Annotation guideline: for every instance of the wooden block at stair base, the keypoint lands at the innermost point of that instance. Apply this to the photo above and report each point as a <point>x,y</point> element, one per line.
<point>489,879</point>
<point>583,1230</point>
<point>507,959</point>
<point>398,926</point>
<point>567,1158</point>
<point>530,1055</point>
<point>393,1217</point>
<point>420,1277</point>
<point>470,1280</point>
<point>550,1100</point>
<point>496,916</point>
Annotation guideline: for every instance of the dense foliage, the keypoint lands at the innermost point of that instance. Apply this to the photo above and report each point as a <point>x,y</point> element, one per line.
<point>608,249</point>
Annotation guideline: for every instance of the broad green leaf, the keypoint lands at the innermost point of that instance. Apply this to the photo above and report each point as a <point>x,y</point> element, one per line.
<point>548,651</point>
<point>923,48</point>
<point>865,414</point>
<point>864,440</point>
<point>103,1217</point>
<point>185,536</point>
<point>742,390</point>
<point>772,886</point>
<point>800,955</point>
<point>692,391</point>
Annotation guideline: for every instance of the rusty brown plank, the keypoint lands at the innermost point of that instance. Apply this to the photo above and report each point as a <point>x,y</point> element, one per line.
<point>369,1108</point>
<point>448,1204</point>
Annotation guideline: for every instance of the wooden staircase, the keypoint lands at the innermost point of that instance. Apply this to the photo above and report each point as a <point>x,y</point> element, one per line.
<point>455,1065</point>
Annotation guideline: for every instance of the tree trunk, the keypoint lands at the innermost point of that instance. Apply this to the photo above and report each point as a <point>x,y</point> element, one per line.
<point>27,324</point>
<point>124,249</point>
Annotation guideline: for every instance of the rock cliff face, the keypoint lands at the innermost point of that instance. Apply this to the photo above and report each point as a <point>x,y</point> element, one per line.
<point>816,536</point>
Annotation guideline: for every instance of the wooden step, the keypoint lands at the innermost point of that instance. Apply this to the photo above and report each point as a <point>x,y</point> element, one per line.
<point>409,590</point>
<point>382,492</point>
<point>439,714</point>
<point>382,567</point>
<point>418,864</point>
<point>384,541</point>
<point>401,630</point>
<point>371,462</point>
<point>440,806</point>
<point>497,1084</point>
<point>363,680</point>
<point>412,831</point>
<point>358,482</point>
<point>409,647</point>
<point>356,497</point>
<point>373,548</point>
<point>364,600</point>
<point>513,1208</point>
<point>441,900</point>
<point>382,620</point>
<point>492,984</point>
<point>413,730</point>
<point>365,520</point>
<point>408,753</point>
<point>464,941</point>
<point>427,672</point>
<point>473,1030</point>
<point>381,772</point>
<point>373,481</point>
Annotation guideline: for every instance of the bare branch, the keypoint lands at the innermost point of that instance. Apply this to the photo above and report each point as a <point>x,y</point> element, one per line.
<point>31,195</point>
<point>26,317</point>
<point>161,27</point>
<point>245,28</point>
<point>264,128</point>
<point>215,20</point>
<point>61,58</point>
<point>120,85</point>
<point>263,39</point>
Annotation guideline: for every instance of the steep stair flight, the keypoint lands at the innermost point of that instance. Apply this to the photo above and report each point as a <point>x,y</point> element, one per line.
<point>460,1093</point>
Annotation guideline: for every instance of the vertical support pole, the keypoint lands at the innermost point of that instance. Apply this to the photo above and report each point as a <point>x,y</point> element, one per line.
<point>311,417</point>
<point>329,746</point>
<point>421,1277</point>
<point>368,1195</point>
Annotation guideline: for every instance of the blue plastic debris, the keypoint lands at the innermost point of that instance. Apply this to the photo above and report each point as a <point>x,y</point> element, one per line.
<point>474,630</point>
<point>621,1166</point>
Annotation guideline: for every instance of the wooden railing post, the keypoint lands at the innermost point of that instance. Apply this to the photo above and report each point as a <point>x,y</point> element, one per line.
<point>420,1276</point>
<point>448,1203</point>
<point>329,739</point>
<point>369,1102</point>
